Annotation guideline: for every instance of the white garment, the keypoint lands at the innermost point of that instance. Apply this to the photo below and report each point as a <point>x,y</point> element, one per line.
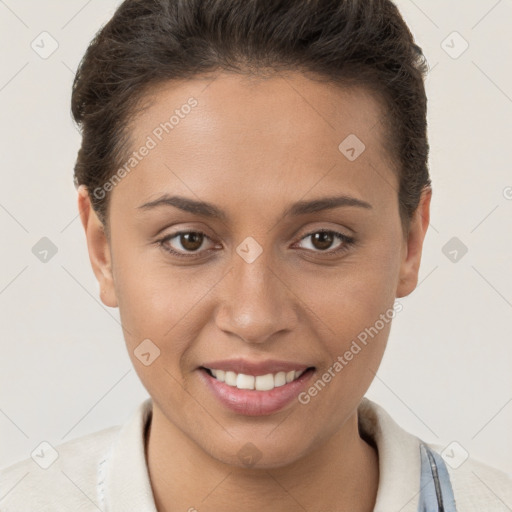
<point>107,471</point>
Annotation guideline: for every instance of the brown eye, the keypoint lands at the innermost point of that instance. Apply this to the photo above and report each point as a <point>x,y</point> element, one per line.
<point>184,243</point>
<point>322,241</point>
<point>191,241</point>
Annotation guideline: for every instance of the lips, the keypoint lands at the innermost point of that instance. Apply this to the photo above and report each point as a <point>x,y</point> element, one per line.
<point>255,388</point>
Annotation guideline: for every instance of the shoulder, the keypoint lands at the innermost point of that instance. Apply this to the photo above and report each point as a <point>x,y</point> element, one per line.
<point>476,485</point>
<point>57,478</point>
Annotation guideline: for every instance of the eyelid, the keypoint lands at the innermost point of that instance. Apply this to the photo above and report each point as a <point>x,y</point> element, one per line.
<point>324,230</point>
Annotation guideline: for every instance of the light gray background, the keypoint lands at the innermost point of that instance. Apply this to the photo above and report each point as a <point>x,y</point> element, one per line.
<point>64,370</point>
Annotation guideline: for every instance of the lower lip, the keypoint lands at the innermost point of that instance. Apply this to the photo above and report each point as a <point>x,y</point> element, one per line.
<point>256,403</point>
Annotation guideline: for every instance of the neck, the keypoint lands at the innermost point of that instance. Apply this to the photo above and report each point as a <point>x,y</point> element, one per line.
<point>341,474</point>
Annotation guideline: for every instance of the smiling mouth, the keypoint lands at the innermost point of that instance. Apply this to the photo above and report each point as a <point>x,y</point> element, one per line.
<point>265,382</point>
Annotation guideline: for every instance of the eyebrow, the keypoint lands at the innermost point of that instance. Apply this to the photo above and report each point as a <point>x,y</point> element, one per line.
<point>206,209</point>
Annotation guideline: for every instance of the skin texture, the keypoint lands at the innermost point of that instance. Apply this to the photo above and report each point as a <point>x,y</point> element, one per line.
<point>253,147</point>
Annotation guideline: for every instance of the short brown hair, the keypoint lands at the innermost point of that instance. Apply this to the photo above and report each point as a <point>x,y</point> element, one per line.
<point>350,42</point>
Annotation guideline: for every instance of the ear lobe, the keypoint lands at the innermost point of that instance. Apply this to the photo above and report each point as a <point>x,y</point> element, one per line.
<point>98,247</point>
<point>409,268</point>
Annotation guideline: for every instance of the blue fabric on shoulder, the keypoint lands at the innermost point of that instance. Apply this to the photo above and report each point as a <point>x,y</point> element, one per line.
<point>436,493</point>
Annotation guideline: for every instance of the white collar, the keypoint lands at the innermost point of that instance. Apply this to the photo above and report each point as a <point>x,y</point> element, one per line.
<point>124,484</point>
<point>399,459</point>
<point>123,479</point>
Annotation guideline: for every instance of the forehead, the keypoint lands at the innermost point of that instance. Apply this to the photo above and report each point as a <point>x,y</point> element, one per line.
<point>257,136</point>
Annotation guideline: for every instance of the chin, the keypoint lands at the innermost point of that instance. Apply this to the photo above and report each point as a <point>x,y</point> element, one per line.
<point>253,457</point>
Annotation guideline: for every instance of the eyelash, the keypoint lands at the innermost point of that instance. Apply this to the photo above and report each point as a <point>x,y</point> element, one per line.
<point>347,243</point>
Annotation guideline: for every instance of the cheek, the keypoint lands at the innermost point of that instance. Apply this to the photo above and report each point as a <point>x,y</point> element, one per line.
<point>351,303</point>
<point>358,293</point>
<point>166,302</point>
<point>157,300</point>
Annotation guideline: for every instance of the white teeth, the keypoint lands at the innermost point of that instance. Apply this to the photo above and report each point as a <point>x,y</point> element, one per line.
<point>280,379</point>
<point>260,383</point>
<point>230,379</point>
<point>245,381</point>
<point>264,382</point>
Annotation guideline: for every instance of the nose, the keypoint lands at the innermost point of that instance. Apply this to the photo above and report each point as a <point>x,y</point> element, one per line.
<point>256,301</point>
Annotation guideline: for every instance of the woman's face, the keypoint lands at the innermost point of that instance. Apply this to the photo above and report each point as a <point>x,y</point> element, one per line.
<point>254,286</point>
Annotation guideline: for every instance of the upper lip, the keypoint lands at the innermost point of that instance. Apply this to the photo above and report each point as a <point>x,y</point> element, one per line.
<point>255,368</point>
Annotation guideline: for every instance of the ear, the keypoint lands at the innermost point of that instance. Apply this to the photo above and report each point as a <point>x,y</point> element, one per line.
<point>99,248</point>
<point>410,265</point>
